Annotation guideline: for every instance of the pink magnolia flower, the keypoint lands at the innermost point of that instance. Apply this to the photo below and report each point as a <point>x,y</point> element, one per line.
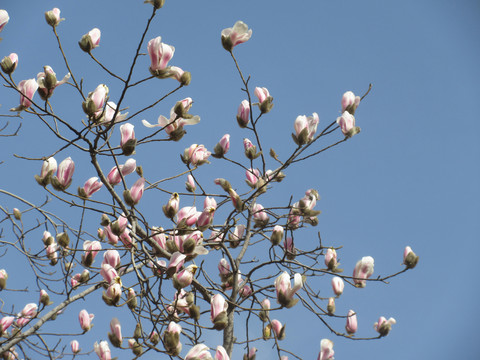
<point>44,298</point>
<point>91,40</point>
<point>91,249</point>
<point>108,273</point>
<point>190,184</point>
<point>183,77</point>
<point>235,35</point>
<point>64,175</point>
<point>174,125</point>
<point>94,104</point>
<point>284,290</point>
<point>289,248</point>
<point>347,124</point>
<point>160,54</point>
<point>112,258</point>
<point>224,268</point>
<point>158,235</point>
<point>5,323</point>
<point>111,237</point>
<point>85,320</point>
<point>114,177</point>
<point>47,82</point>
<point>326,350</point>
<point>251,354</point>
<point>171,209</point>
<point>262,94</point>
<point>363,270</point>
<point>337,285</point>
<point>27,89</point>
<point>265,312</point>
<point>75,346</point>
<point>113,293</point>
<point>3,18</point>
<point>199,352</point>
<point>196,155</point>
<point>252,176</point>
<point>184,278</point>
<point>331,306</point>
<point>278,329</point>
<point>260,217</point>
<point>383,326</point>
<point>305,128</point>
<point>176,262</point>
<point>352,325</point>
<point>52,253</point>
<point>171,341</point>
<point>188,215</point>
<point>127,134</point>
<point>49,167</point>
<point>277,235</point>
<point>243,114</point>
<point>221,353</point>
<point>135,193</point>
<point>102,350</point>
<point>29,311</point>
<point>110,110</point>
<point>53,17</point>
<point>9,63</point>
<point>222,146</point>
<point>218,308</point>
<point>331,259</point>
<point>116,332</point>
<point>350,102</point>
<point>90,187</point>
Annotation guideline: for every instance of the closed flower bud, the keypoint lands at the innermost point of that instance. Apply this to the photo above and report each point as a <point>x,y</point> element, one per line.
<point>45,298</point>
<point>190,184</point>
<point>53,17</point>
<point>410,259</point>
<point>17,214</point>
<point>128,141</point>
<point>157,4</point>
<point>347,124</point>
<point>63,239</point>
<point>136,348</point>
<point>222,146</point>
<point>352,325</point>
<point>350,102</point>
<point>90,41</point>
<point>131,299</point>
<point>383,326</point>
<point>243,114</point>
<point>171,209</point>
<point>337,285</point>
<point>277,235</point>
<point>9,63</point>
<point>3,18</point>
<point>3,279</point>
<point>75,346</point>
<point>331,306</point>
<point>64,176</point>
<point>265,100</point>
<point>224,184</point>
<point>154,338</point>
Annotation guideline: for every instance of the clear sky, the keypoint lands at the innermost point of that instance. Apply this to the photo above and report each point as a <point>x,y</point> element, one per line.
<point>411,177</point>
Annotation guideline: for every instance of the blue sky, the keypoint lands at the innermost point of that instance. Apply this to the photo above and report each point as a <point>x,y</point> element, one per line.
<point>409,178</point>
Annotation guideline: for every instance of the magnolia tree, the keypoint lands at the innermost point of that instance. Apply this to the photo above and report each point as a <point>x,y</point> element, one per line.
<point>223,258</point>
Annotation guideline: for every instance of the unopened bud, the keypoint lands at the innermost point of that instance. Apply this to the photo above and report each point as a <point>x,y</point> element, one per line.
<point>194,312</point>
<point>17,214</point>
<point>331,306</point>
<point>105,221</point>
<point>63,240</point>
<point>137,334</point>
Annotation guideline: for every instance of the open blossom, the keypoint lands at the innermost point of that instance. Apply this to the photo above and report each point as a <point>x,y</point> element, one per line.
<point>174,125</point>
<point>383,326</point>
<point>102,350</point>
<point>235,35</point>
<point>160,54</point>
<point>218,311</point>
<point>352,325</point>
<point>196,155</point>
<point>243,114</point>
<point>350,102</point>
<point>305,128</point>
<point>90,187</point>
<point>284,290</point>
<point>91,40</point>
<point>64,175</point>
<point>337,285</point>
<point>199,352</point>
<point>27,89</point>
<point>85,320</point>
<point>326,350</point>
<point>3,18</point>
<point>363,270</point>
<point>47,82</point>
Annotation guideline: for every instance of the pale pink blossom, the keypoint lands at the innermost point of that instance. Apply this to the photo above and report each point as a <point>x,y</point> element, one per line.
<point>188,215</point>
<point>136,192</point>
<point>196,155</point>
<point>102,350</point>
<point>91,249</point>
<point>224,267</point>
<point>64,174</point>
<point>47,82</point>
<point>251,354</point>
<point>176,261</point>
<point>331,259</point>
<point>53,17</point>
<point>9,63</point>
<point>243,114</point>
<point>277,234</point>
<point>75,346</point>
<point>112,258</point>
<point>160,54</point>
<point>305,128</point>
<point>337,285</point>
<point>350,102</point>
<point>184,278</point>
<point>94,104</point>
<point>347,124</point>
<point>284,289</point>
<point>29,311</point>
<point>110,110</point>
<point>383,326</point>
<point>91,186</point>
<point>3,18</point>
<point>113,293</point>
<point>111,237</point>
<point>252,176</point>
<point>218,305</point>
<point>363,270</point>
<point>278,329</point>
<point>206,218</point>
<point>3,279</point>
<point>199,352</point>
<point>260,216</point>
<point>222,146</point>
<point>127,133</point>
<point>114,177</point>
<point>352,325</point>
<point>171,209</point>
<point>85,320</point>
<point>49,167</point>
<point>91,40</point>
<point>262,94</point>
<point>326,350</point>
<point>27,89</point>
<point>108,273</point>
<point>171,339</point>
<point>289,248</point>
<point>116,330</point>
<point>190,184</point>
<point>235,35</point>
<point>5,323</point>
<point>221,353</point>
<point>158,235</point>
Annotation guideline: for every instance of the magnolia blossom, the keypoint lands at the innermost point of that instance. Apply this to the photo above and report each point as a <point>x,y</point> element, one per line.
<point>278,329</point>
<point>176,262</point>
<point>113,293</point>
<point>102,350</point>
<point>91,249</point>
<point>53,17</point>
<point>112,258</point>
<point>91,40</point>
<point>284,290</point>
<point>94,104</point>
<point>9,63</point>
<point>383,326</point>
<point>363,270</point>
<point>184,278</point>
<point>238,34</point>
<point>160,54</point>
<point>188,215</point>
<point>5,323</point>
<point>222,146</point>
<point>251,354</point>
<point>337,285</point>
<point>260,216</point>
<point>206,218</point>
<point>127,141</point>
<point>347,124</point>
<point>110,110</point>
<point>29,311</point>
<point>410,259</point>
<point>221,353</point>
<point>252,176</point>
<point>277,235</point>
<point>289,248</point>
<point>352,325</point>
<point>196,155</point>
<point>132,197</point>
<point>85,320</point>
<point>199,352</point>
<point>305,128</point>
<point>3,18</point>
<point>331,259</point>
<point>114,176</point>
<point>75,346</point>
<point>47,82</point>
<point>171,339</point>
<point>49,167</point>
<point>350,102</point>
<point>218,311</point>
<point>243,114</point>
<point>326,350</point>
<point>262,94</point>
<point>115,335</point>
<point>27,89</point>
<point>108,273</point>
<point>190,184</point>
<point>90,187</point>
